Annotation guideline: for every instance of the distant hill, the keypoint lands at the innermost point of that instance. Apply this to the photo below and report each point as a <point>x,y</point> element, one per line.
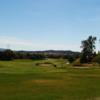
<point>53,52</point>
<point>49,52</point>
<point>2,49</point>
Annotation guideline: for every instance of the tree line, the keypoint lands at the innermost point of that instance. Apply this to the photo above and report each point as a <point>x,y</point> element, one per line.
<point>38,55</point>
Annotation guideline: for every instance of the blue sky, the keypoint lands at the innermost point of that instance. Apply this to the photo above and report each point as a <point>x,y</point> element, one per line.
<point>48,24</point>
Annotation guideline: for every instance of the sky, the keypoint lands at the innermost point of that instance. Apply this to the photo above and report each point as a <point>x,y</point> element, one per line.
<point>48,24</point>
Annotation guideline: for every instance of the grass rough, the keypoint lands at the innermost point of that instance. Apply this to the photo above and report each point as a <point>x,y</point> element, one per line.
<point>23,80</point>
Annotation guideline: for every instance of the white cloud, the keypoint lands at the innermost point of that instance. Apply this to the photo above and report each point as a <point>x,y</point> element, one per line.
<point>13,42</point>
<point>18,44</point>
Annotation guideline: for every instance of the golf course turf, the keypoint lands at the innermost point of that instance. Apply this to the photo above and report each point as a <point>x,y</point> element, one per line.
<point>25,80</point>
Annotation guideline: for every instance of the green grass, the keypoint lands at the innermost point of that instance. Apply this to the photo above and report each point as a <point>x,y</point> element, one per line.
<point>23,80</point>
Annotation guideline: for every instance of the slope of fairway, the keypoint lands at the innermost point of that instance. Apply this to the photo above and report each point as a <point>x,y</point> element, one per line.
<point>23,80</point>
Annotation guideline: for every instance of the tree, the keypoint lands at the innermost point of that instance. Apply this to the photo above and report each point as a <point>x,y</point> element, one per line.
<point>7,55</point>
<point>88,51</point>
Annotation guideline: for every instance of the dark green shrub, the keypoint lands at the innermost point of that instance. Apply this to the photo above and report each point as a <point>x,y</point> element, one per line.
<point>97,59</point>
<point>7,55</point>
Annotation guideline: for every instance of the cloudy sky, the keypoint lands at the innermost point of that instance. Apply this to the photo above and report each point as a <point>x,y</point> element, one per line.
<point>48,24</point>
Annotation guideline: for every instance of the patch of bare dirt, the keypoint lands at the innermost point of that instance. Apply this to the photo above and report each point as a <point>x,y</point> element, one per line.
<point>97,98</point>
<point>44,81</point>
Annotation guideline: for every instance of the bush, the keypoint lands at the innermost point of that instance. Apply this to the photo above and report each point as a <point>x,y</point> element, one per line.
<point>71,59</point>
<point>97,59</point>
<point>37,57</point>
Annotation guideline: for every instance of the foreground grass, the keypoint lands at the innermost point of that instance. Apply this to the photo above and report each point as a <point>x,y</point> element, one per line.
<point>23,80</point>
